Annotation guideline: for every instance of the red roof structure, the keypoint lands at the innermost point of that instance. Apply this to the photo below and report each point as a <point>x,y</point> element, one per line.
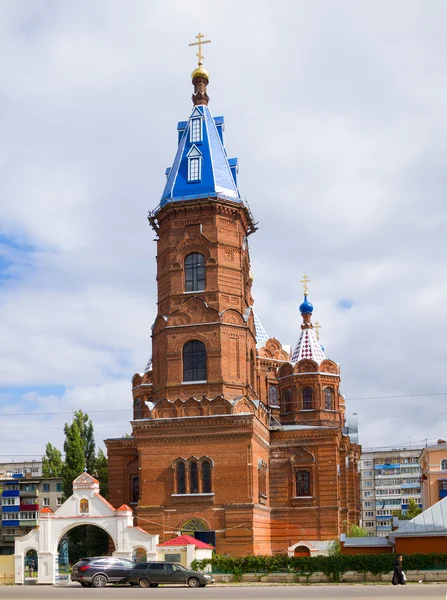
<point>124,508</point>
<point>187,540</point>
<point>45,509</point>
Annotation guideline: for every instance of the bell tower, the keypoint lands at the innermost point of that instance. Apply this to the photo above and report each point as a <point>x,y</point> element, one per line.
<point>203,337</point>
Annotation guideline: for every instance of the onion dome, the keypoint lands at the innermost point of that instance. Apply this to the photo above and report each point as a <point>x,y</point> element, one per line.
<point>200,72</point>
<point>306,308</point>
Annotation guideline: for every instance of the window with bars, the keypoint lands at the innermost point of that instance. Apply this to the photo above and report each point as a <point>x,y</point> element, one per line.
<point>307,399</point>
<point>328,398</point>
<point>196,130</point>
<point>194,361</point>
<point>206,477</point>
<point>302,481</point>
<point>195,272</point>
<point>181,480</point>
<point>194,169</point>
<point>193,476</point>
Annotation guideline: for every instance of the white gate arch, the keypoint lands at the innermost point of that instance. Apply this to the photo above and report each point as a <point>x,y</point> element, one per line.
<point>85,507</point>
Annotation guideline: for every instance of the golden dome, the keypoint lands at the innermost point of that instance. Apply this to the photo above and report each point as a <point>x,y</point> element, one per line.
<point>250,277</point>
<point>200,72</point>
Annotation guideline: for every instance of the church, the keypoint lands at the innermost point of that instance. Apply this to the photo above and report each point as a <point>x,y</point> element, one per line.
<point>236,439</point>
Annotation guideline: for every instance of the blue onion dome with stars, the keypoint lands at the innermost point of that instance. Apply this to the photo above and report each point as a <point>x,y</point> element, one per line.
<point>306,307</point>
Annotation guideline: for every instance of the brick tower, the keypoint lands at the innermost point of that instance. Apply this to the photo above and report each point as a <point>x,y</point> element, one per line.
<point>235,439</point>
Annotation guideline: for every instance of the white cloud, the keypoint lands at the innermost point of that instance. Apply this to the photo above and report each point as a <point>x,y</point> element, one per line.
<point>337,114</point>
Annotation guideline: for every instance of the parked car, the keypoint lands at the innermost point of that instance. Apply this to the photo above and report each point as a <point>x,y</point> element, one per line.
<point>101,570</point>
<point>151,574</point>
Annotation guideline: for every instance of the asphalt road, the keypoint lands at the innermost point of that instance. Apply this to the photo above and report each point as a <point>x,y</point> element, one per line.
<point>258,592</point>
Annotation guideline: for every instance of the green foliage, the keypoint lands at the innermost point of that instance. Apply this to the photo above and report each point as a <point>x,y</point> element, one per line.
<point>102,473</point>
<point>412,511</point>
<point>355,531</point>
<point>88,439</point>
<point>52,463</point>
<point>74,457</point>
<point>332,566</point>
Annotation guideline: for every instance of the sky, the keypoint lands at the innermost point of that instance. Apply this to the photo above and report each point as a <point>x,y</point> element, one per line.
<point>336,111</point>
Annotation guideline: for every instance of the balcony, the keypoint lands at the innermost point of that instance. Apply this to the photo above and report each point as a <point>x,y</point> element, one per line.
<point>11,509</point>
<point>28,493</point>
<point>10,493</point>
<point>29,507</point>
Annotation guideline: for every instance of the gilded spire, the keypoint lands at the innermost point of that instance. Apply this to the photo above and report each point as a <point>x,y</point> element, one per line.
<point>200,76</point>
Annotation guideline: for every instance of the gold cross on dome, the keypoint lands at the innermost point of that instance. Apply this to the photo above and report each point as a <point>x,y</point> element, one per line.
<point>305,280</point>
<point>317,328</point>
<point>199,44</point>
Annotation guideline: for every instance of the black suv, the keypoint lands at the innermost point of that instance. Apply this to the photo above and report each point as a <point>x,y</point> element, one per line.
<point>152,573</point>
<point>101,570</point>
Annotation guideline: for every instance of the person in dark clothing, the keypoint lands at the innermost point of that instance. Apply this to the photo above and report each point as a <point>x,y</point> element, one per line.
<point>398,575</point>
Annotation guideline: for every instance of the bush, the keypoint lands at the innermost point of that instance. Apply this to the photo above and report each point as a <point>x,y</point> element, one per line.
<point>332,566</point>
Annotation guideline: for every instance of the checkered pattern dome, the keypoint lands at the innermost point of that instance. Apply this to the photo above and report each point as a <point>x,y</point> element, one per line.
<point>308,347</point>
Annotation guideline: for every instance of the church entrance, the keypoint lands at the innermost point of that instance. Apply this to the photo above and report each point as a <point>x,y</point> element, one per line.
<point>198,529</point>
<point>43,555</point>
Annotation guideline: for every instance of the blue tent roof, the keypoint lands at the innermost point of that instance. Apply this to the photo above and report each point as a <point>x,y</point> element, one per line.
<point>217,173</point>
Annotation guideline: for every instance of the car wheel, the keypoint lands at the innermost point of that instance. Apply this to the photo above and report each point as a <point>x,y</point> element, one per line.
<point>145,583</point>
<point>193,582</point>
<point>99,581</point>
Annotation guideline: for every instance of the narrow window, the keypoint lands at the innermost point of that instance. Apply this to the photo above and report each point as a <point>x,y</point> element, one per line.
<point>252,370</point>
<point>303,483</point>
<point>444,464</point>
<point>273,395</point>
<point>135,489</point>
<point>194,273</point>
<point>287,402</point>
<point>194,361</point>
<point>194,169</point>
<point>328,398</point>
<point>138,408</point>
<point>206,477</point>
<point>307,399</point>
<point>181,486</point>
<point>196,130</point>
<point>193,478</point>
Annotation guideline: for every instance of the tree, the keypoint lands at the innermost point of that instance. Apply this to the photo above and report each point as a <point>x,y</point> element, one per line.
<point>74,457</point>
<point>102,473</point>
<point>412,511</point>
<point>355,531</point>
<point>52,463</point>
<point>88,439</point>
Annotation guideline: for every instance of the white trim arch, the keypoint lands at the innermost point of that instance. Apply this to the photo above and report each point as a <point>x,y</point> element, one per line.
<point>52,526</point>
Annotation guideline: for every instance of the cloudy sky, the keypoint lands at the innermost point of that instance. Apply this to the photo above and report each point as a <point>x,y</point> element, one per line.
<point>336,111</point>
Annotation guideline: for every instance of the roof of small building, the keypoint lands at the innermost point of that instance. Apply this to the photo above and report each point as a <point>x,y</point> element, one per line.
<point>46,509</point>
<point>365,542</point>
<point>187,540</point>
<point>124,508</point>
<point>432,521</point>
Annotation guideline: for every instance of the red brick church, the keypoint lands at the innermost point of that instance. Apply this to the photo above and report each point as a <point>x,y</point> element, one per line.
<point>236,439</point>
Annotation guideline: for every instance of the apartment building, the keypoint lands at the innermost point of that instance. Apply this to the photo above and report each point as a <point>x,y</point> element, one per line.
<point>23,494</point>
<point>388,479</point>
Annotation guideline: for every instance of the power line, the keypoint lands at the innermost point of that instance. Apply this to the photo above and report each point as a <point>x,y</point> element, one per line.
<point>402,396</point>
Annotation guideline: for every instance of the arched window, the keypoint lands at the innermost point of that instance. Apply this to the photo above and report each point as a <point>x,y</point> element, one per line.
<point>444,464</point>
<point>135,490</point>
<point>287,402</point>
<point>83,506</point>
<point>137,408</point>
<point>181,481</point>
<point>302,483</point>
<point>273,395</point>
<point>206,477</point>
<point>193,478</point>
<point>194,273</point>
<point>194,361</point>
<point>328,398</point>
<point>307,399</point>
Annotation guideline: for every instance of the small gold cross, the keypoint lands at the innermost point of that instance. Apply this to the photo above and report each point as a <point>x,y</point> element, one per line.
<point>305,280</point>
<point>317,328</point>
<point>199,44</point>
